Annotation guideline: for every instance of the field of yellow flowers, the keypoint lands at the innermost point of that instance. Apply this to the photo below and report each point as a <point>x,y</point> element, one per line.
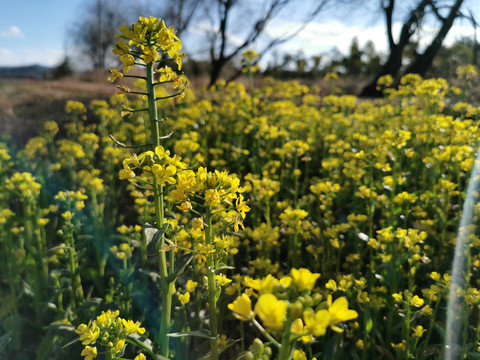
<point>234,223</point>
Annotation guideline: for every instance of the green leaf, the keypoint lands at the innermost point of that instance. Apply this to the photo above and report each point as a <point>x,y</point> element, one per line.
<point>368,321</point>
<point>204,333</point>
<point>180,266</point>
<point>5,339</point>
<point>70,343</point>
<point>474,355</point>
<point>93,302</point>
<point>60,247</point>
<point>153,235</point>
<point>58,327</point>
<point>155,276</point>
<point>44,351</point>
<point>224,267</point>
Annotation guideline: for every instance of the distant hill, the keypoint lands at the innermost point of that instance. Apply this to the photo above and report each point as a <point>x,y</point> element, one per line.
<point>37,72</point>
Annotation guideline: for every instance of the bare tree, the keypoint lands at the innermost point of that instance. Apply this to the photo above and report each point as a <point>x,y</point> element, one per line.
<point>413,22</point>
<point>181,13</point>
<point>94,32</point>
<point>224,18</point>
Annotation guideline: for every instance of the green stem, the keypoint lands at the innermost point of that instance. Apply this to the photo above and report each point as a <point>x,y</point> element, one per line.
<point>212,289</point>
<point>266,334</point>
<point>285,350</point>
<point>167,286</point>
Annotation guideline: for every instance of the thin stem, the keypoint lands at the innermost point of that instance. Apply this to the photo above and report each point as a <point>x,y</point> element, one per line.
<point>167,286</point>
<point>266,334</point>
<point>212,289</point>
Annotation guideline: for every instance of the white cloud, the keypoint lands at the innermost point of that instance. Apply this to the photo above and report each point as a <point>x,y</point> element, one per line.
<point>318,38</point>
<point>204,28</point>
<point>7,56</point>
<point>322,37</point>
<point>12,32</point>
<point>31,56</point>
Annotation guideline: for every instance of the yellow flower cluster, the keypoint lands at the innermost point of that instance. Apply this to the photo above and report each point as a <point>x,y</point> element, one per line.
<point>158,165</point>
<point>108,330</point>
<point>146,40</point>
<point>279,304</point>
<point>24,183</point>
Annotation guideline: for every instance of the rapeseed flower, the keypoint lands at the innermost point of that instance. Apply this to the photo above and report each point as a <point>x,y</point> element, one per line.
<point>242,308</point>
<point>271,311</point>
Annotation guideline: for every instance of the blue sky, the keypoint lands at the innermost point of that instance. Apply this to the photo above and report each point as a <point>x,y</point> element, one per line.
<point>35,32</point>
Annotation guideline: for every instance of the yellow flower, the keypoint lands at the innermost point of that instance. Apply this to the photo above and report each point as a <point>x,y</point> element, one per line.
<point>397,297</point>
<point>298,328</point>
<point>242,308</point>
<point>299,355</point>
<point>212,197</point>
<point>417,301</point>
<point>265,285</point>
<point>115,75</point>
<point>184,298</point>
<point>119,346</point>
<point>88,334</point>
<point>140,357</point>
<point>68,215</point>
<point>222,279</point>
<point>132,327</point>
<point>418,331</point>
<point>400,346</point>
<point>166,74</point>
<point>331,285</point>
<point>89,352</point>
<point>271,311</point>
<point>241,206</point>
<point>164,174</point>
<point>191,285</point>
<point>197,223</point>
<point>339,312</point>
<point>317,323</point>
<point>185,206</point>
<point>304,279</point>
<point>126,174</point>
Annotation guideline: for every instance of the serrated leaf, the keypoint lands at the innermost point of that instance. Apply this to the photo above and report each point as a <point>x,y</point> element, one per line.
<point>198,333</point>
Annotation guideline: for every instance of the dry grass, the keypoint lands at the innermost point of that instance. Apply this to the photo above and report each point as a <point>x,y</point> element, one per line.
<point>25,105</point>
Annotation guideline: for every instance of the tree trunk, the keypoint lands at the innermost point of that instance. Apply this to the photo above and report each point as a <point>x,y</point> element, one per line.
<point>423,61</point>
<point>392,67</point>
<point>394,61</point>
<point>215,71</point>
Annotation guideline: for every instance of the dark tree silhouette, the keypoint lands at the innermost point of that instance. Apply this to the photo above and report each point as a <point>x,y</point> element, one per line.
<point>421,62</point>
<point>221,48</point>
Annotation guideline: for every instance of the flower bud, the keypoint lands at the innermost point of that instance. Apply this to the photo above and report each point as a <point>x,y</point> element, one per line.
<point>257,347</point>
<point>317,298</point>
<point>248,356</point>
<point>296,310</point>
